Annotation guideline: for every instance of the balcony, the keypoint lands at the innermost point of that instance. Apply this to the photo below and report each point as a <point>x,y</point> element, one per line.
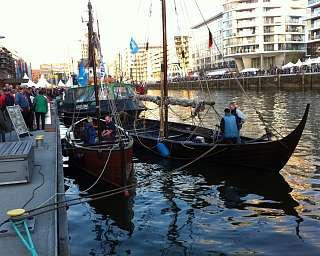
<point>292,47</point>
<point>315,37</point>
<point>245,15</point>
<point>246,24</point>
<point>294,21</point>
<point>312,3</point>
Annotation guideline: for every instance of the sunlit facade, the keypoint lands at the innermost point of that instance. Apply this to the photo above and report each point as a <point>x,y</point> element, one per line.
<point>203,57</point>
<point>313,21</point>
<point>264,33</point>
<point>56,71</point>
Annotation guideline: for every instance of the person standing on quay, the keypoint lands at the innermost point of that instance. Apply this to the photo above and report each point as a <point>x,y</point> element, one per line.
<point>22,101</point>
<point>2,116</point>
<point>40,104</point>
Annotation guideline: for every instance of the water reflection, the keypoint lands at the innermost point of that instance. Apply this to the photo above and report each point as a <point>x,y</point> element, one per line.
<point>117,208</point>
<point>206,210</point>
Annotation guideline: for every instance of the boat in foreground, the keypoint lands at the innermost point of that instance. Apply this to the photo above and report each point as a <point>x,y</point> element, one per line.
<point>192,143</point>
<point>108,156</point>
<point>111,161</point>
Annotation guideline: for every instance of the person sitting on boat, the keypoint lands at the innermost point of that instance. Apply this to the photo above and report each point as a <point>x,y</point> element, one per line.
<point>109,131</point>
<point>229,128</point>
<point>240,116</point>
<point>90,133</point>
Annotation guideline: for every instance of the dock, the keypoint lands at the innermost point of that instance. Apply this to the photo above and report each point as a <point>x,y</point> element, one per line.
<point>49,231</point>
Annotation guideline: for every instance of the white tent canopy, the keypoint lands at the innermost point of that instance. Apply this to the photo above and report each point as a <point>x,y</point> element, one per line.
<point>315,61</point>
<point>308,62</point>
<point>69,82</point>
<point>299,63</point>
<point>25,76</point>
<point>61,84</point>
<point>29,83</point>
<point>288,65</point>
<point>249,70</point>
<point>42,83</point>
<point>217,72</point>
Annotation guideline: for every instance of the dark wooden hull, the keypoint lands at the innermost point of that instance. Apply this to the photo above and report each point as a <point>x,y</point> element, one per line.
<point>262,154</point>
<point>119,167</point>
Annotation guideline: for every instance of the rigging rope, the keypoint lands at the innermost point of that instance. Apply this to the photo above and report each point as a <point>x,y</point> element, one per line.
<point>236,79</point>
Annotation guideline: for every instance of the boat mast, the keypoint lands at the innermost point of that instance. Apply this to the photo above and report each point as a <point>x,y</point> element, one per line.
<point>92,63</point>
<point>164,82</point>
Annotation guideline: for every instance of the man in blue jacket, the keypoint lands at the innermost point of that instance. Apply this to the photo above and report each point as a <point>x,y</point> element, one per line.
<point>90,133</point>
<point>23,103</point>
<point>229,128</point>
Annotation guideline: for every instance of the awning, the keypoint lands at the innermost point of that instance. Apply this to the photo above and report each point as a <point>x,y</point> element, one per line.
<point>249,70</point>
<point>217,72</point>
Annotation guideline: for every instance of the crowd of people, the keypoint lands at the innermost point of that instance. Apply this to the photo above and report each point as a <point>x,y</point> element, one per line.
<point>32,102</point>
<point>273,70</point>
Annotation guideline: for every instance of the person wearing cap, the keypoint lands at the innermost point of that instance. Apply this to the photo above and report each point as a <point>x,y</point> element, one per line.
<point>90,133</point>
<point>229,128</point>
<point>240,116</point>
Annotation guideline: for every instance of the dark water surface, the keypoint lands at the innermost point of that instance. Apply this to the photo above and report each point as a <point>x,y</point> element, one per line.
<point>188,213</point>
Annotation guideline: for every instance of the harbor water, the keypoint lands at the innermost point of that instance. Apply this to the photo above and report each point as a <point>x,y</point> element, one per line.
<point>203,210</point>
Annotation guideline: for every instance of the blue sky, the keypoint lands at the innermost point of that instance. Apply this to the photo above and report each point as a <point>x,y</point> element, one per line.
<point>44,31</point>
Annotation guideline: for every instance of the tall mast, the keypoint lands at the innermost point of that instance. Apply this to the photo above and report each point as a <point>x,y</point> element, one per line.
<point>164,82</point>
<point>92,63</point>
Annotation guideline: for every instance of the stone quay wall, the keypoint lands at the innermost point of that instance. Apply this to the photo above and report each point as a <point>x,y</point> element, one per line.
<point>283,81</point>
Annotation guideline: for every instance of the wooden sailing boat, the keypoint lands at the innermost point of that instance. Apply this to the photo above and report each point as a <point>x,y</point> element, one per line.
<point>110,160</point>
<point>79,102</point>
<point>192,143</point>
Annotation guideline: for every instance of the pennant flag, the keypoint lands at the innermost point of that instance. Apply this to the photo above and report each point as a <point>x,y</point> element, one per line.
<point>83,77</point>
<point>210,39</point>
<point>133,46</point>
<point>102,68</point>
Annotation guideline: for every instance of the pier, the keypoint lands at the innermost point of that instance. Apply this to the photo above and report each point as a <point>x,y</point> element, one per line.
<point>49,230</point>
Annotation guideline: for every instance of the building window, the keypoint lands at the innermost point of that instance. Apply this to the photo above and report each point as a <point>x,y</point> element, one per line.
<point>255,62</point>
<point>269,47</point>
<point>269,61</point>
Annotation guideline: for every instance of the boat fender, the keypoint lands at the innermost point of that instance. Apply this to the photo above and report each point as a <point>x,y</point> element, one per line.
<point>163,150</point>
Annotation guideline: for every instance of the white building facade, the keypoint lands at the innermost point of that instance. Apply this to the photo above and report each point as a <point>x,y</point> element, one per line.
<point>205,58</point>
<point>264,33</point>
<point>313,21</point>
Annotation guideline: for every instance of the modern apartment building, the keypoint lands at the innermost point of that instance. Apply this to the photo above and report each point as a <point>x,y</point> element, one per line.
<point>314,28</point>
<point>145,65</point>
<point>36,74</point>
<point>56,71</point>
<point>182,47</point>
<point>264,33</point>
<point>203,57</point>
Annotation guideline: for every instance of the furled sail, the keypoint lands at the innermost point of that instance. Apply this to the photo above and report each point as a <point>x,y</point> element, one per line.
<point>176,101</point>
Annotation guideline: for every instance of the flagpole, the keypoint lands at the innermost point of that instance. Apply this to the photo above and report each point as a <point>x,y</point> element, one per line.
<point>92,63</point>
<point>164,82</point>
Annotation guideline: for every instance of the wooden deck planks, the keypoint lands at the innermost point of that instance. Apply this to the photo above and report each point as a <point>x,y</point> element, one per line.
<point>15,149</point>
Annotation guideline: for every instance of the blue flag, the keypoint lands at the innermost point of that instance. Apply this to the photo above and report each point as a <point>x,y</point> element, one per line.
<point>102,68</point>
<point>133,46</point>
<point>83,78</point>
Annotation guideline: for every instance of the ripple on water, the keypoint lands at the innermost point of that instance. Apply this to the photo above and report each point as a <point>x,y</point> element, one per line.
<point>188,213</point>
